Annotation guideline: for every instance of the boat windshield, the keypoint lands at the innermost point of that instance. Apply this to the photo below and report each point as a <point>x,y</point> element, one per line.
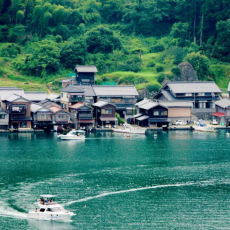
<point>57,209</point>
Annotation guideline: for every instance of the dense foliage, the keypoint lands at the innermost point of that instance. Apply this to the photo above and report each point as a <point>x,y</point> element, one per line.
<point>46,36</point>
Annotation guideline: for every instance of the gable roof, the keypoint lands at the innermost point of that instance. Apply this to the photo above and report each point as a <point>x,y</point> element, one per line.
<point>224,103</point>
<point>6,92</point>
<point>35,108</point>
<point>100,104</point>
<point>89,92</point>
<point>151,104</point>
<point>86,69</point>
<point>142,102</point>
<point>57,110</point>
<point>53,96</point>
<point>47,104</point>
<point>15,97</point>
<point>73,89</point>
<point>115,90</point>
<point>35,96</point>
<point>193,87</point>
<point>183,104</point>
<point>79,105</point>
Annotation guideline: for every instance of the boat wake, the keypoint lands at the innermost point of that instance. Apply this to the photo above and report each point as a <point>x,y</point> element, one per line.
<point>13,214</point>
<point>132,190</point>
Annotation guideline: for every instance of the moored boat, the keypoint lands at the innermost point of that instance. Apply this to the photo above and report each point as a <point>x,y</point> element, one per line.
<point>73,135</point>
<point>130,130</point>
<point>202,127</point>
<point>49,210</point>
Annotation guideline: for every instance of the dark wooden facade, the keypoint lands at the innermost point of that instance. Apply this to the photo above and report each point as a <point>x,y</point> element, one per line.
<point>157,117</point>
<point>105,115</point>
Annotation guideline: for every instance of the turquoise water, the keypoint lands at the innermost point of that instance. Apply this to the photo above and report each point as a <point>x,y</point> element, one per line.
<point>176,180</point>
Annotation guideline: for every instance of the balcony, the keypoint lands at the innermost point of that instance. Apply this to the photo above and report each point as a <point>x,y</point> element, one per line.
<point>76,99</point>
<point>85,116</point>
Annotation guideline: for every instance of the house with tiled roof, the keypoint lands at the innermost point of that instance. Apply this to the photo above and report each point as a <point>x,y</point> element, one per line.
<point>83,114</point>
<point>105,113</point>
<point>202,95</point>
<point>124,97</point>
<point>85,74</point>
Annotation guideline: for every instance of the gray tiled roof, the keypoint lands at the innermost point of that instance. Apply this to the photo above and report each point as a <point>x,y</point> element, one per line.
<point>194,87</point>
<point>89,92</point>
<point>35,96</point>
<point>47,104</point>
<point>100,104</point>
<point>73,89</point>
<point>142,102</point>
<point>86,69</point>
<point>149,105</point>
<point>115,90</point>
<point>142,118</point>
<point>53,96</point>
<point>35,107</point>
<point>7,92</point>
<point>224,103</point>
<point>176,103</point>
<point>15,97</point>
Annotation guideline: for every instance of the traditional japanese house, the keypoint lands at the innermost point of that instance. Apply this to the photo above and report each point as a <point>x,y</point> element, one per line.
<point>85,74</point>
<point>60,117</point>
<point>222,114</point>
<point>83,114</point>
<point>177,110</point>
<point>123,97</point>
<point>42,117</point>
<point>105,113</point>
<point>153,114</point>
<point>202,95</point>
<point>54,97</point>
<point>19,109</point>
<point>4,119</point>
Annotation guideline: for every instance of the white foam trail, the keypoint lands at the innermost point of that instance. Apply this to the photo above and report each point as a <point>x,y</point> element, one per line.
<point>13,214</point>
<point>129,190</point>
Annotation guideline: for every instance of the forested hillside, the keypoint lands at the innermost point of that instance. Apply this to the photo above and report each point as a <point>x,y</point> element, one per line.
<point>130,41</point>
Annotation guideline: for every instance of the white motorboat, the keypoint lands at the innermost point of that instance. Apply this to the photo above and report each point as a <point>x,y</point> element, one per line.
<point>130,130</point>
<point>49,210</point>
<point>202,127</point>
<point>73,135</point>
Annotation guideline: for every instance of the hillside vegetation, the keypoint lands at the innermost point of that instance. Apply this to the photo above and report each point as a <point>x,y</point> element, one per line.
<point>130,41</point>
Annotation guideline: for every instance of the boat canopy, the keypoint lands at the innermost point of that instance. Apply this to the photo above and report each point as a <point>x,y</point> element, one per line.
<point>80,131</point>
<point>47,196</point>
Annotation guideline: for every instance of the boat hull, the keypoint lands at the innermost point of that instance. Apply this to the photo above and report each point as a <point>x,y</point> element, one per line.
<point>202,129</point>
<point>129,132</point>
<point>65,137</point>
<point>50,216</point>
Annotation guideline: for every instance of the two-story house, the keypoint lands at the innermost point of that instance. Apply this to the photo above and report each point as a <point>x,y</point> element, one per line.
<point>60,117</point>
<point>222,114</point>
<point>19,109</point>
<point>83,114</point>
<point>202,95</point>
<point>85,74</point>
<point>4,119</point>
<point>42,117</point>
<point>105,113</point>
<point>153,114</point>
<point>177,110</point>
<point>124,97</point>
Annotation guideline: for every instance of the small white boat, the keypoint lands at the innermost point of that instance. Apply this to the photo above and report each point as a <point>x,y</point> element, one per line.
<point>130,130</point>
<point>73,135</point>
<point>50,210</point>
<point>202,127</point>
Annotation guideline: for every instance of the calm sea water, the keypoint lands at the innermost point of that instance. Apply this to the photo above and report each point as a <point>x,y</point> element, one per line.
<point>176,180</point>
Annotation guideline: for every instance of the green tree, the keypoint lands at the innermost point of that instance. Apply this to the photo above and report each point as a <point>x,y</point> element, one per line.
<point>200,63</point>
<point>73,53</point>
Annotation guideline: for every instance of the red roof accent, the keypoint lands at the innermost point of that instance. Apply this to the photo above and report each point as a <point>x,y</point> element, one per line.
<point>217,114</point>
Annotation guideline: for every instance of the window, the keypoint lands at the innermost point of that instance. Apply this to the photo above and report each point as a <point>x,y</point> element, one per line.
<point>61,94</point>
<point>18,109</point>
<point>128,100</point>
<point>201,94</point>
<point>115,99</point>
<point>156,113</point>
<point>106,111</point>
<point>188,94</point>
<point>2,116</point>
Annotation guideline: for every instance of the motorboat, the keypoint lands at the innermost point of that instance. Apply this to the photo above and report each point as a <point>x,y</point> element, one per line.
<point>73,135</point>
<point>49,210</point>
<point>202,127</point>
<point>127,128</point>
